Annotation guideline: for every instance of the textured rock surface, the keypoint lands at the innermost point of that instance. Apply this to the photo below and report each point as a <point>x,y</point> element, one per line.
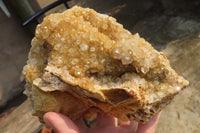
<point>84,53</point>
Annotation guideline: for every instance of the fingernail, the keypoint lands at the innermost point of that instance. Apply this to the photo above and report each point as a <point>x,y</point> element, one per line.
<point>134,127</point>
<point>47,123</point>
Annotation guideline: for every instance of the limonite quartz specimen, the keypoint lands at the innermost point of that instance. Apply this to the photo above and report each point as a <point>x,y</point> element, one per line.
<point>82,62</point>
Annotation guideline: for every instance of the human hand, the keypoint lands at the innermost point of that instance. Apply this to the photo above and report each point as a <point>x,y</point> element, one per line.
<point>104,124</point>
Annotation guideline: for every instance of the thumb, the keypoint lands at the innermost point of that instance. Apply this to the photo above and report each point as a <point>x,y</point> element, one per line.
<point>60,123</point>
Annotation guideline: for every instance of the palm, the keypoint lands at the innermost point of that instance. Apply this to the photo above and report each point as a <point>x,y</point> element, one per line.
<point>104,124</point>
<point>107,124</point>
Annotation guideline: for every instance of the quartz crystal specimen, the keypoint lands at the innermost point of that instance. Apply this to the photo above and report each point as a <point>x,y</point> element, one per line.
<point>82,62</point>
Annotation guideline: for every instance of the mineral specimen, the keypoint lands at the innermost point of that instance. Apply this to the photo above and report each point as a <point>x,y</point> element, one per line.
<point>82,62</point>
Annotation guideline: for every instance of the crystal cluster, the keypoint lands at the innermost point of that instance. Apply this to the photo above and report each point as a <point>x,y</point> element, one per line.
<point>92,57</point>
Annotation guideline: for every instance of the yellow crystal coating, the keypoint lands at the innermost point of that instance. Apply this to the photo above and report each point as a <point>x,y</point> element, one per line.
<point>93,52</point>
